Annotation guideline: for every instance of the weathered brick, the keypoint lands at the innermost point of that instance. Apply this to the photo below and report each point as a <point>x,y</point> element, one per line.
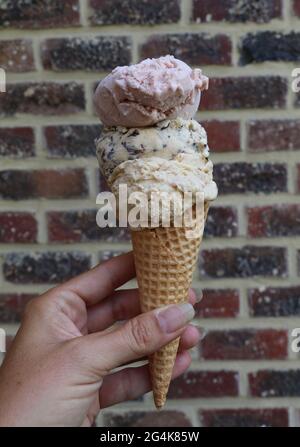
<point>89,54</point>
<point>17,227</point>
<point>170,418</point>
<point>243,262</point>
<point>296,4</point>
<point>49,267</point>
<point>218,303</point>
<point>33,14</point>
<point>245,417</point>
<point>12,307</point>
<point>259,11</point>
<point>134,12</point>
<point>274,302</point>
<point>244,344</point>
<point>71,141</point>
<point>262,92</point>
<point>17,142</point>
<point>50,184</point>
<point>273,135</point>
<point>221,222</point>
<point>195,384</point>
<point>223,136</point>
<point>270,383</point>
<point>274,220</point>
<point>16,56</point>
<point>194,49</point>
<point>270,46</point>
<point>81,226</point>
<point>258,178</point>
<point>45,98</point>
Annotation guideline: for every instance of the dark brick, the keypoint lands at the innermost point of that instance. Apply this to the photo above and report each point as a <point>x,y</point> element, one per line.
<point>221,222</point>
<point>89,54</point>
<point>270,46</point>
<point>71,141</point>
<point>134,12</point>
<point>244,344</point>
<point>17,228</point>
<point>274,220</point>
<point>270,383</point>
<point>17,142</point>
<point>170,418</point>
<point>12,307</point>
<point>235,178</point>
<point>274,302</point>
<point>42,14</point>
<point>49,267</point>
<point>259,11</point>
<point>194,384</point>
<point>50,184</point>
<point>16,56</point>
<point>219,303</point>
<point>81,226</point>
<point>194,49</point>
<point>262,92</point>
<point>223,136</point>
<point>296,5</point>
<point>245,417</point>
<point>273,135</point>
<point>45,98</point>
<point>243,262</point>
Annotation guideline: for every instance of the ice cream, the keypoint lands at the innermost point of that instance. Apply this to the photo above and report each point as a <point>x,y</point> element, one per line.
<point>144,94</point>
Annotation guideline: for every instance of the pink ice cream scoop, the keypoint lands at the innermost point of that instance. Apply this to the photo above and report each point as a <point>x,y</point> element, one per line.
<point>154,90</point>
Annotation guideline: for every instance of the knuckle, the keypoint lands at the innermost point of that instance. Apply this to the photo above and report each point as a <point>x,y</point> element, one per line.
<point>141,335</point>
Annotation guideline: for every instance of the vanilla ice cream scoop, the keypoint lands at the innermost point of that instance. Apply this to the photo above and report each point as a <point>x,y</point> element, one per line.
<point>149,92</point>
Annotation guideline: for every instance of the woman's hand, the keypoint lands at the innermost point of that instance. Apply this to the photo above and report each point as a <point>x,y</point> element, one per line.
<point>58,369</point>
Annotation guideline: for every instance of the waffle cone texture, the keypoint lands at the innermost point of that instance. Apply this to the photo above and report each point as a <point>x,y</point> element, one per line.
<point>165,260</point>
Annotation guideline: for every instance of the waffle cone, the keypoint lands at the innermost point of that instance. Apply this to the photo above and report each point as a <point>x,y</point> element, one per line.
<point>165,259</point>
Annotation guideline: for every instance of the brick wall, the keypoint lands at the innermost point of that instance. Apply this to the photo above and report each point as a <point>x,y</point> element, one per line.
<point>244,371</point>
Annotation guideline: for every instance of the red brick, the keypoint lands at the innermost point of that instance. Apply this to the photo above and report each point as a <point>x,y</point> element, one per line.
<point>45,98</point>
<point>169,418</point>
<point>246,262</point>
<point>17,228</point>
<point>233,11</point>
<point>33,14</point>
<point>17,142</point>
<point>274,302</point>
<point>245,417</point>
<point>194,384</point>
<point>296,4</point>
<point>50,184</point>
<point>12,307</point>
<point>218,303</point>
<point>81,226</point>
<point>262,92</point>
<point>222,221</point>
<point>244,344</point>
<point>272,221</point>
<point>274,383</point>
<point>134,12</point>
<point>194,49</point>
<point>16,56</point>
<point>273,135</point>
<point>223,136</point>
<point>90,54</point>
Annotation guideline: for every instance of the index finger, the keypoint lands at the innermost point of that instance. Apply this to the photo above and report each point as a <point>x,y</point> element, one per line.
<point>96,284</point>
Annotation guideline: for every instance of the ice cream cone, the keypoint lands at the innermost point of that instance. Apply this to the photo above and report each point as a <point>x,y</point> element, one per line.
<point>165,260</point>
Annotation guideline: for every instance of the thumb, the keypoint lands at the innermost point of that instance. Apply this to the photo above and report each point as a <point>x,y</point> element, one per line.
<point>140,336</point>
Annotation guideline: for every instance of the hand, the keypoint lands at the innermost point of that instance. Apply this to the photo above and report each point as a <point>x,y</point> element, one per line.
<point>58,369</point>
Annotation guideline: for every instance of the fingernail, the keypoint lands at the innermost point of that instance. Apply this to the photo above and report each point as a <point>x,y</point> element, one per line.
<point>174,317</point>
<point>199,296</point>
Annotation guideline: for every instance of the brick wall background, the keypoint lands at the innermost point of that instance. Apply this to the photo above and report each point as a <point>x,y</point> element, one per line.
<point>244,371</point>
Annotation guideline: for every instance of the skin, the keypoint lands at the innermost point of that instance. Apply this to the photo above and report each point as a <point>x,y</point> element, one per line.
<point>58,371</point>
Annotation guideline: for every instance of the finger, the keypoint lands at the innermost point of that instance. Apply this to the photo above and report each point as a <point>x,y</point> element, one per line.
<point>139,337</point>
<point>102,280</point>
<point>131,383</point>
<point>189,339</point>
<point>122,305</point>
